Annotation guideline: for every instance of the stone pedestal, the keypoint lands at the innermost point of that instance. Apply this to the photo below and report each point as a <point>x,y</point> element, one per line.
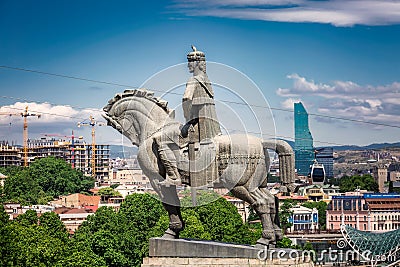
<point>187,253</point>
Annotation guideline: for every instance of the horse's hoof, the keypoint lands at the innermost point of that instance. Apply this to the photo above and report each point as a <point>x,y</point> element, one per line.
<point>268,235</point>
<point>278,234</point>
<point>169,234</point>
<point>263,243</point>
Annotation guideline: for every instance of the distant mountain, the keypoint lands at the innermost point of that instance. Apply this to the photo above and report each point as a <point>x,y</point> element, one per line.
<point>127,151</point>
<point>355,147</point>
<point>120,151</point>
<point>368,147</point>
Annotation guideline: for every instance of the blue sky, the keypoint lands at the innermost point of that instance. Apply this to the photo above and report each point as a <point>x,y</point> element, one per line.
<point>339,57</point>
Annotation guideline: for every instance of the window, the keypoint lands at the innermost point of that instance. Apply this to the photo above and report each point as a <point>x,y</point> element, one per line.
<point>365,227</point>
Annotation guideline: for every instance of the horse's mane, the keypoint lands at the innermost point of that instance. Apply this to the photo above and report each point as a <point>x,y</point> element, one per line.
<point>138,93</point>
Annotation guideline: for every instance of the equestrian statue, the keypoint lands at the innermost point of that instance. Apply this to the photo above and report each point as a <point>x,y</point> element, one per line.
<point>196,153</point>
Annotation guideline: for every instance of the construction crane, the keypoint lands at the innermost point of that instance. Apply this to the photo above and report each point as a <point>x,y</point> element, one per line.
<point>92,122</point>
<point>72,145</point>
<point>25,114</point>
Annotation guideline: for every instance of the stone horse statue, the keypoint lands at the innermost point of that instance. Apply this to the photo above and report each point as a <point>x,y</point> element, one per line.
<point>241,161</point>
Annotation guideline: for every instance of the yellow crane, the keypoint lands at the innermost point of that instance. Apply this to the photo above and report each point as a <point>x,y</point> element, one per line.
<point>92,122</point>
<point>25,114</point>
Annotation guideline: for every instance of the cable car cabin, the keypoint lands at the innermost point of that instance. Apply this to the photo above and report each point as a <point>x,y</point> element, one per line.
<point>317,173</point>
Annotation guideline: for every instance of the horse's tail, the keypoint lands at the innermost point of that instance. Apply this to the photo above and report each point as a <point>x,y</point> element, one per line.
<point>286,159</point>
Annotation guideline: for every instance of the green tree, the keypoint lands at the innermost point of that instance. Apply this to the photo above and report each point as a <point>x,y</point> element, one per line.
<point>4,218</point>
<point>21,187</point>
<point>43,180</point>
<point>284,243</point>
<point>366,182</point>
<point>121,239</point>
<point>203,197</point>
<point>108,191</point>
<point>51,223</point>
<point>56,177</point>
<point>24,242</point>
<point>28,218</point>
<point>285,212</point>
<point>223,222</point>
<point>82,258</point>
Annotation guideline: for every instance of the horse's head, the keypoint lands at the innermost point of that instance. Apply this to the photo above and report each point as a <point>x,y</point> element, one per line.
<point>136,114</point>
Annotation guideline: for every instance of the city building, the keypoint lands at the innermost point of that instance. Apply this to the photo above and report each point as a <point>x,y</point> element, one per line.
<point>127,176</point>
<point>350,210</point>
<point>12,210</point>
<point>9,155</point>
<point>76,201</point>
<point>303,146</point>
<point>297,198</point>
<point>394,172</point>
<point>303,219</point>
<point>72,218</point>
<point>324,156</point>
<point>129,189</point>
<point>380,173</point>
<point>39,209</point>
<point>318,192</point>
<point>79,156</point>
<point>375,212</point>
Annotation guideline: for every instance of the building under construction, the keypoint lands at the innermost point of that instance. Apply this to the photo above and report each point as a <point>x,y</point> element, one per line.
<point>80,155</point>
<point>9,155</point>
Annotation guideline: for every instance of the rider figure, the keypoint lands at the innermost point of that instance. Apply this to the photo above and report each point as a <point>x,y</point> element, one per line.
<point>198,99</point>
<point>199,112</point>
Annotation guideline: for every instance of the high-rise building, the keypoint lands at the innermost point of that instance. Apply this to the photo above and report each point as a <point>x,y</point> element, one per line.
<point>324,156</point>
<point>303,146</point>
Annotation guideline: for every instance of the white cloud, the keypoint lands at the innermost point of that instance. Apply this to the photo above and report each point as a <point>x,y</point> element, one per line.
<point>335,12</point>
<point>49,114</point>
<point>347,99</point>
<point>288,103</point>
<point>54,119</point>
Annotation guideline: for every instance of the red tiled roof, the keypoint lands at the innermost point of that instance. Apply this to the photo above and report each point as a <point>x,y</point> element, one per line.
<point>93,208</point>
<point>65,210</point>
<point>293,197</point>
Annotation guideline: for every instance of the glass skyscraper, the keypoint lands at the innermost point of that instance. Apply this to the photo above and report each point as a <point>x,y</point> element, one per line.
<point>325,157</point>
<point>303,146</point>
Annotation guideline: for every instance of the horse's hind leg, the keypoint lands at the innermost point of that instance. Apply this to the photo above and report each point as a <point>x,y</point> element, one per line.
<point>261,205</point>
<point>274,212</point>
<point>265,208</point>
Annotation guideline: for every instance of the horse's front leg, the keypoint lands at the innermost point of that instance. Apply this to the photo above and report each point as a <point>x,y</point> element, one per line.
<point>171,204</point>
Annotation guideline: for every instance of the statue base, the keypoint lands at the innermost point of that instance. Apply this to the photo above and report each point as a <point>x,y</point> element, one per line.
<point>200,253</point>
